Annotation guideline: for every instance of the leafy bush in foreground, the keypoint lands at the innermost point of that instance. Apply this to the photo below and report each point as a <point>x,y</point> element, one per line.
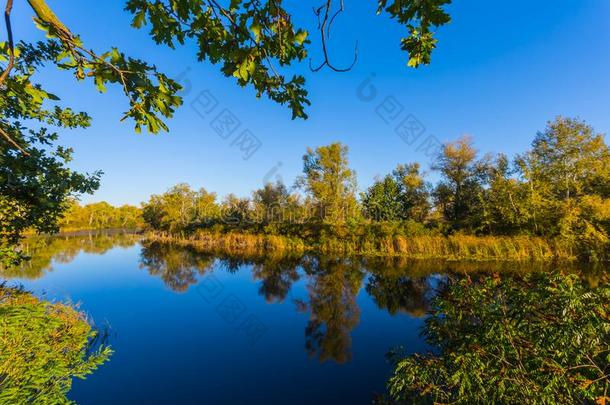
<point>42,347</point>
<point>541,339</point>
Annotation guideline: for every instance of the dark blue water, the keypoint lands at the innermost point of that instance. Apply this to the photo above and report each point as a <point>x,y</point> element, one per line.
<point>193,328</point>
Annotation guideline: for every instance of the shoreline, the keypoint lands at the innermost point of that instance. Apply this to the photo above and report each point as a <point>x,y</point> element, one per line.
<point>446,248</point>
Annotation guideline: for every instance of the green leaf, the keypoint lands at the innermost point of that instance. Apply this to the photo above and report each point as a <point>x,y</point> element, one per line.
<point>300,37</point>
<point>256,30</point>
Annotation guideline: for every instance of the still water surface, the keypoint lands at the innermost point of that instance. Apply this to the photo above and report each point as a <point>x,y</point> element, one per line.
<point>188,327</point>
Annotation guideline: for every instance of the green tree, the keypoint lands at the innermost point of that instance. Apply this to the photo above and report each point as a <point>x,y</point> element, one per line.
<point>181,209</point>
<point>271,203</point>
<point>36,185</point>
<point>567,175</point>
<point>236,211</point>
<point>505,207</point>
<point>414,196</point>
<point>35,180</point>
<point>458,194</point>
<point>101,216</point>
<point>173,211</point>
<point>207,210</point>
<point>330,182</point>
<point>381,202</point>
<point>402,195</point>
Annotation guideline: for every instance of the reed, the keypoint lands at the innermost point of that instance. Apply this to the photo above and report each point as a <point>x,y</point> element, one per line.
<point>233,242</point>
<point>451,248</point>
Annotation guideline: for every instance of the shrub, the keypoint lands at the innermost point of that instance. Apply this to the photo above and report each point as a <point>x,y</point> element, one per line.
<point>43,346</point>
<point>543,338</point>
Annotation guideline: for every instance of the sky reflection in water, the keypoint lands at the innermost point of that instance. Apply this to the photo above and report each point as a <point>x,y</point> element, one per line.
<point>189,327</point>
<point>193,328</point>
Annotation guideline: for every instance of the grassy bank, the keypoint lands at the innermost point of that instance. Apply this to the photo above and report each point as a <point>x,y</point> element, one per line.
<point>43,347</point>
<point>452,248</point>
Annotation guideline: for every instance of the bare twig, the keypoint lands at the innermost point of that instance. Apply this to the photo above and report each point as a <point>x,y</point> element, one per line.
<point>324,26</point>
<point>330,23</point>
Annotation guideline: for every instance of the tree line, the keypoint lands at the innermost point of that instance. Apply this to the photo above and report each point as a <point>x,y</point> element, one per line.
<point>101,215</point>
<point>253,43</point>
<point>559,189</point>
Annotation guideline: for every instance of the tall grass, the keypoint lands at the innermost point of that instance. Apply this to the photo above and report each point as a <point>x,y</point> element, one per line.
<point>452,248</point>
<point>235,243</point>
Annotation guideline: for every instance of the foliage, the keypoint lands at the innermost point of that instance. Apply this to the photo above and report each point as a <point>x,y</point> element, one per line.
<point>419,17</point>
<point>253,40</point>
<point>402,195</point>
<point>151,94</point>
<point>36,184</point>
<point>236,211</point>
<point>330,182</point>
<point>101,216</point>
<point>482,208</point>
<point>271,202</point>
<point>568,176</point>
<point>247,37</point>
<point>43,346</point>
<point>542,338</point>
<point>458,193</point>
<point>180,208</point>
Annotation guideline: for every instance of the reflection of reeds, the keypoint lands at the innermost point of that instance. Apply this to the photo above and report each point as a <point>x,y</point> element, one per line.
<point>236,242</point>
<point>453,248</point>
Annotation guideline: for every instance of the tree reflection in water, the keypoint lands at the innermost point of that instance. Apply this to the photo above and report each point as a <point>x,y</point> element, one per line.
<point>277,275</point>
<point>179,268</point>
<point>332,287</point>
<point>46,250</point>
<point>397,293</point>
<point>400,287</point>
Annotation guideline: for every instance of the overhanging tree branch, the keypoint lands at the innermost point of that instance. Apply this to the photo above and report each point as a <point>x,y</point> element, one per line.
<point>11,63</point>
<point>9,33</point>
<point>12,142</point>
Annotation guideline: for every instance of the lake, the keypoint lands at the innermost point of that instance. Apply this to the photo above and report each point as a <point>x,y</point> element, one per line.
<point>189,327</point>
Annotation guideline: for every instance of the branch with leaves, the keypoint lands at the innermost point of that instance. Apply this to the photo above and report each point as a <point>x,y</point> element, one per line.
<point>252,40</point>
<point>420,17</point>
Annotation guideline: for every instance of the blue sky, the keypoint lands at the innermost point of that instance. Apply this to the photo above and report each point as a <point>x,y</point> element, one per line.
<point>501,70</point>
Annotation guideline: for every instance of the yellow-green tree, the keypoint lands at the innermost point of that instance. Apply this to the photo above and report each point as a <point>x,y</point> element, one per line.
<point>330,182</point>
<point>567,175</point>
<point>458,194</point>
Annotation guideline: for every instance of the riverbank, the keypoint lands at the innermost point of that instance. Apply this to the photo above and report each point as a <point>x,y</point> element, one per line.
<point>449,248</point>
